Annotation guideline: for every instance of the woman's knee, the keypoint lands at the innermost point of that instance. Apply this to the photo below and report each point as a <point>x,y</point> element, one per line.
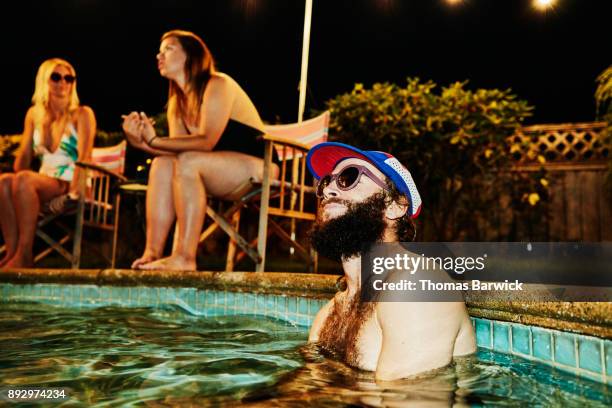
<point>162,169</point>
<point>187,164</point>
<point>162,163</point>
<point>6,186</point>
<point>23,180</point>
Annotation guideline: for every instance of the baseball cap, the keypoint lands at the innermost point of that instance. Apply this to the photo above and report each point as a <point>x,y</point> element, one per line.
<point>323,157</point>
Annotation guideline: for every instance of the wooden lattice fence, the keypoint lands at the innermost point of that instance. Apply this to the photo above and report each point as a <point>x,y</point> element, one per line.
<point>577,160</point>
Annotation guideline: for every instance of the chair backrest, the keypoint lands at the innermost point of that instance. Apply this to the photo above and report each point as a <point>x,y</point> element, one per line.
<point>111,158</point>
<point>99,197</point>
<point>309,132</point>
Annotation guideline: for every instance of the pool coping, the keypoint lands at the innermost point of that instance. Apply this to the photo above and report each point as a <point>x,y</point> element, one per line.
<point>590,318</point>
<point>297,284</point>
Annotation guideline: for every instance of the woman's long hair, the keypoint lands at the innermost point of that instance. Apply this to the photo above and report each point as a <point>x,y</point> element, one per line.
<point>199,67</point>
<point>40,99</point>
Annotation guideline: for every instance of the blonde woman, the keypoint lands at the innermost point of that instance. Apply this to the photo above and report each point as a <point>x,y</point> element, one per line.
<point>215,146</point>
<point>60,132</point>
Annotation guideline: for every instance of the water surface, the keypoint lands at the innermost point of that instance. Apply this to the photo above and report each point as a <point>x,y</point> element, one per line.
<point>165,357</point>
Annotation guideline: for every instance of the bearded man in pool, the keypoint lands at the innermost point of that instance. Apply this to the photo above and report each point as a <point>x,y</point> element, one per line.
<point>369,197</point>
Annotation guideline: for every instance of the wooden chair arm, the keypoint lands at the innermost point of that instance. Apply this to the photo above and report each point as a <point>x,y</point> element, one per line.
<point>286,142</point>
<point>101,169</point>
<point>276,184</point>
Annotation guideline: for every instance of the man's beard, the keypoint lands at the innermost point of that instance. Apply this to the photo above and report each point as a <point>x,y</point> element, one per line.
<point>353,232</point>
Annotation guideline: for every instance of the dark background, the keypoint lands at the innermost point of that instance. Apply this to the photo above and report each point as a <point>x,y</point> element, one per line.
<point>550,59</point>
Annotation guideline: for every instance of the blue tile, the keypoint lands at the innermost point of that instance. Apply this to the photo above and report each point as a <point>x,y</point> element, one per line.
<point>501,337</point>
<point>589,354</point>
<point>105,293</point>
<point>12,291</point>
<point>260,304</point>
<point>189,298</point>
<point>483,333</point>
<point>303,305</point>
<point>565,352</point>
<point>148,296</point>
<point>244,301</point>
<point>292,305</point>
<point>34,291</point>
<point>230,299</point>
<point>608,351</point>
<point>125,295</point>
<point>201,299</point>
<point>541,344</point>
<point>270,304</point>
<point>67,294</point>
<point>281,306</point>
<point>315,306</point>
<point>46,292</point>
<point>91,294</point>
<point>139,295</point>
<point>56,292</point>
<point>131,296</point>
<point>520,339</point>
<point>171,296</point>
<point>116,295</point>
<point>250,302</point>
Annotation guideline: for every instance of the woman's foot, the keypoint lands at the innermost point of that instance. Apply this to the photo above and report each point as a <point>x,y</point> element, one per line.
<point>18,261</point>
<point>147,257</point>
<point>171,263</point>
<point>5,259</point>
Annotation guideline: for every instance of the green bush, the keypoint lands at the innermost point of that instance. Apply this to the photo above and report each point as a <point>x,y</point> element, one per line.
<point>453,141</point>
<point>8,147</point>
<point>603,99</point>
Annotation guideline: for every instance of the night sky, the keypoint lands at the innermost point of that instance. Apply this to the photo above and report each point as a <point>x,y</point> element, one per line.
<point>550,59</point>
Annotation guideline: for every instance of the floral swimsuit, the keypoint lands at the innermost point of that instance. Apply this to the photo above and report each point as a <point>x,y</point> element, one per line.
<point>59,164</point>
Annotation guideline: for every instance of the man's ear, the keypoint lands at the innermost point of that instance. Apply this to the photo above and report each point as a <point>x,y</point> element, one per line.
<point>397,209</point>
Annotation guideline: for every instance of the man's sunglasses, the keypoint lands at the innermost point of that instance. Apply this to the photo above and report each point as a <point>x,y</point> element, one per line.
<point>55,77</point>
<point>348,178</point>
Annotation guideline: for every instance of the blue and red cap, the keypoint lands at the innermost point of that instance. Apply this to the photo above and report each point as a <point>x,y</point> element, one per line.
<point>323,157</point>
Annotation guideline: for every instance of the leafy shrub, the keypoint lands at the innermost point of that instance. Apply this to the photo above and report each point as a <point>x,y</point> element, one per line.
<point>603,99</point>
<point>454,142</point>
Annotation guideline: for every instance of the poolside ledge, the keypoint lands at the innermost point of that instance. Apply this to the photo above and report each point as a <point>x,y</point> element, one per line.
<point>591,318</point>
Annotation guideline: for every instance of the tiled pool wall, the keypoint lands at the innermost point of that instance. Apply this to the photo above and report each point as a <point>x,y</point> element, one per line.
<point>586,356</point>
<point>201,302</point>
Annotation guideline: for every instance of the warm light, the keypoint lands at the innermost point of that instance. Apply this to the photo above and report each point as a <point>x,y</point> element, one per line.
<point>544,4</point>
<point>453,2</point>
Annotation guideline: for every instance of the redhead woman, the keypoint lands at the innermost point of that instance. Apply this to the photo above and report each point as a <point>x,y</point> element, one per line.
<point>60,132</point>
<point>214,147</point>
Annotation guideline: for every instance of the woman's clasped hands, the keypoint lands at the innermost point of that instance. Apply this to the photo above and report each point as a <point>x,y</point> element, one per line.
<point>139,130</point>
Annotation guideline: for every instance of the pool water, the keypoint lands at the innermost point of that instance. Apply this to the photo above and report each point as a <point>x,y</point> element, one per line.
<point>113,356</point>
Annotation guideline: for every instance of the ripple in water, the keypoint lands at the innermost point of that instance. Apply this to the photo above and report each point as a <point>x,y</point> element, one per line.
<point>164,357</point>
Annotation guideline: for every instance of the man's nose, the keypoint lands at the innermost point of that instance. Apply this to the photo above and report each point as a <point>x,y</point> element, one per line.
<point>331,190</point>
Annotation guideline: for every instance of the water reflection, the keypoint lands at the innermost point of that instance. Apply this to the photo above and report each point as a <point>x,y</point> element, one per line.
<point>164,357</point>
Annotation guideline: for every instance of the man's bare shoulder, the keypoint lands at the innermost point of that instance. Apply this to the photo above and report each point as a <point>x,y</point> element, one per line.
<point>319,320</point>
<point>416,315</point>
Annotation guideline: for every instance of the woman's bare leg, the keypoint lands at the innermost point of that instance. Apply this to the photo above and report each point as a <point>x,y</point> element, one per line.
<point>30,190</point>
<point>160,209</point>
<point>8,222</point>
<point>197,174</point>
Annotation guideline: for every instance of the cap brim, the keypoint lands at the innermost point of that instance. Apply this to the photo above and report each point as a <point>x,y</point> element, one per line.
<point>322,158</point>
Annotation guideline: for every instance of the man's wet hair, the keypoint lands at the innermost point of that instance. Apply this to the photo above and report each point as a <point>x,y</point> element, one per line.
<point>405,228</point>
